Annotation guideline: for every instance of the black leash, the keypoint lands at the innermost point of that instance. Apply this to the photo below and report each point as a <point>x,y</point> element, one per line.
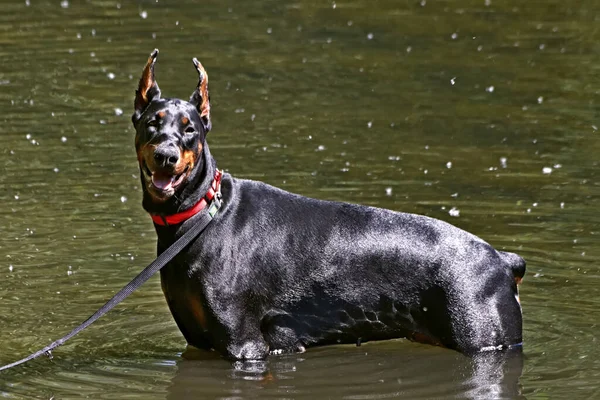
<point>135,283</point>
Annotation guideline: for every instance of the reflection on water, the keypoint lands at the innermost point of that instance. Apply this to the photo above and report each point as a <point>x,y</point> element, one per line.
<point>375,370</point>
<point>481,113</point>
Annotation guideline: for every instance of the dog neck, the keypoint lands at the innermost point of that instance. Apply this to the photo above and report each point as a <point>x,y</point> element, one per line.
<point>195,189</point>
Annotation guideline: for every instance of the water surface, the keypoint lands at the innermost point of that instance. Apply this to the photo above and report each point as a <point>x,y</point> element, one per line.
<point>480,113</point>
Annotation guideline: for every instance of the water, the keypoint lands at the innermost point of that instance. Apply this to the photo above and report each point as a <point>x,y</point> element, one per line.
<point>481,113</point>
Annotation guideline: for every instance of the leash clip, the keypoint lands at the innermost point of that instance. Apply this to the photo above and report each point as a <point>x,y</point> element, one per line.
<point>216,204</point>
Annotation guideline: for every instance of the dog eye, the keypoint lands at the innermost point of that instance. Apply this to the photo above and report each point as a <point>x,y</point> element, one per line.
<point>153,123</point>
<point>190,130</point>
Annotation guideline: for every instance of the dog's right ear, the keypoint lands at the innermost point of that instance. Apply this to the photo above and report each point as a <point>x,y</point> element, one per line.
<point>200,98</point>
<point>148,89</point>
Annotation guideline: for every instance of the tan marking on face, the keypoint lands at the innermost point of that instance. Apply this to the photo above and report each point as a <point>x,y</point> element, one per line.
<point>187,159</point>
<point>146,154</point>
<point>161,114</point>
<point>518,280</point>
<point>185,120</point>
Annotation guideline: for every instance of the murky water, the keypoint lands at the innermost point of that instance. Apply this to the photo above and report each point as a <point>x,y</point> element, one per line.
<point>481,113</point>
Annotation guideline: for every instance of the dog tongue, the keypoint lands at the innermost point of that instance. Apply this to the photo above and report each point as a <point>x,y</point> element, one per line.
<point>162,181</point>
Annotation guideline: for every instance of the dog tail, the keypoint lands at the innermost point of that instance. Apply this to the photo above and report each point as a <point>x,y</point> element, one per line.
<point>515,263</point>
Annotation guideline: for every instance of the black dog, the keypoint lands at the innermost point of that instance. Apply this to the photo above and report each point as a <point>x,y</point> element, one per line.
<point>276,272</point>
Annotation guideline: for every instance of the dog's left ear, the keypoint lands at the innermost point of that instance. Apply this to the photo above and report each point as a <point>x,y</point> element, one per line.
<point>148,88</point>
<point>200,98</point>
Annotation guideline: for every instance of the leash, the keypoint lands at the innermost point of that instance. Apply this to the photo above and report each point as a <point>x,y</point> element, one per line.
<point>136,282</point>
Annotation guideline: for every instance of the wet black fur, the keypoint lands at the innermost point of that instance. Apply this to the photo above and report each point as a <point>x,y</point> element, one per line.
<point>279,271</point>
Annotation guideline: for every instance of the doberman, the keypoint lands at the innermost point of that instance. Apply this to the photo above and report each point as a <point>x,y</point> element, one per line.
<point>277,272</point>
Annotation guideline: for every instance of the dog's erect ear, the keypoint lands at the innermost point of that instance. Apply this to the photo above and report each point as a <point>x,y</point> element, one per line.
<point>148,88</point>
<point>200,98</point>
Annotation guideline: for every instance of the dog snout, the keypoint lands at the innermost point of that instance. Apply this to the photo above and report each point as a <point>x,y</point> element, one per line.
<point>166,155</point>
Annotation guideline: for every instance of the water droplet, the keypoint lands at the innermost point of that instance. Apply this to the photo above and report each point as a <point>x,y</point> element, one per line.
<point>369,36</point>
<point>388,191</point>
<point>490,89</point>
<point>540,100</point>
<point>10,268</point>
<point>453,81</point>
<point>449,164</point>
<point>547,170</point>
<point>118,111</point>
<point>110,75</point>
<point>503,161</point>
<point>144,14</point>
<point>63,139</point>
<point>64,4</point>
<point>454,212</point>
<point>123,199</point>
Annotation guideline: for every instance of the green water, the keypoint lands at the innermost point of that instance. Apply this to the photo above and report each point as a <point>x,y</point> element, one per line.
<point>480,113</point>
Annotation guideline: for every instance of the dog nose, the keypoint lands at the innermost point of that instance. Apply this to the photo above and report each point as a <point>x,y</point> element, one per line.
<point>166,156</point>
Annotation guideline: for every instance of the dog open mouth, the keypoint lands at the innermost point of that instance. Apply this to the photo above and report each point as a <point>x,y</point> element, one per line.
<point>163,182</point>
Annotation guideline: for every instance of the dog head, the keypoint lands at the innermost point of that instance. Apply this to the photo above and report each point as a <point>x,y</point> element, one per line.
<point>170,135</point>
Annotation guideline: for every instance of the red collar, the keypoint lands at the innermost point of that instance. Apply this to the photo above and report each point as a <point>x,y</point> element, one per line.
<point>178,218</point>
